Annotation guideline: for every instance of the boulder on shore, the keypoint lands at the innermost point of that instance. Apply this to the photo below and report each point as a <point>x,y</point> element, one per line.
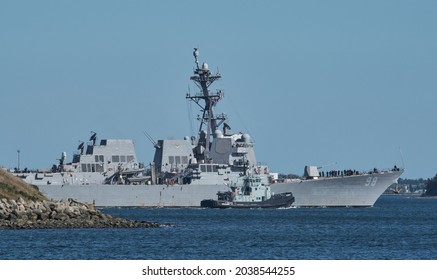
<point>21,214</point>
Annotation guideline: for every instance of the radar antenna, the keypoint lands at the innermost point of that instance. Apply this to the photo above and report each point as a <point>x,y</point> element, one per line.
<point>196,55</point>
<point>93,137</point>
<point>80,147</point>
<point>203,78</point>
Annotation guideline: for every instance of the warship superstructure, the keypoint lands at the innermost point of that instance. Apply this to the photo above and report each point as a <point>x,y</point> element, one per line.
<point>184,172</point>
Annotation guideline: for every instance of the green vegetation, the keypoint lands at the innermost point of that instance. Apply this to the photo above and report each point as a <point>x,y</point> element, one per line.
<point>416,186</point>
<point>428,187</point>
<point>431,187</point>
<point>12,187</point>
<point>417,182</point>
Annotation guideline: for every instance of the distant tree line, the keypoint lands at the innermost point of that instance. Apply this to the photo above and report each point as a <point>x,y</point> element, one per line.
<point>431,187</point>
<point>420,181</point>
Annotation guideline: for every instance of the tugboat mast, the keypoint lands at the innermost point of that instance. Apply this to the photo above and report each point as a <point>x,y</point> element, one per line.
<point>203,79</point>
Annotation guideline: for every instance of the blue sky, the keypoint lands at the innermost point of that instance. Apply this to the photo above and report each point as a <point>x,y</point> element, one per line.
<point>313,82</point>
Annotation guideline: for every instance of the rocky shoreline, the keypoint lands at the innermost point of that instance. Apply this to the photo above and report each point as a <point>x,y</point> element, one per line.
<point>48,214</point>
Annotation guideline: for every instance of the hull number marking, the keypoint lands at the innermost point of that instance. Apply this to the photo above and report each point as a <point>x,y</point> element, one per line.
<point>371,181</point>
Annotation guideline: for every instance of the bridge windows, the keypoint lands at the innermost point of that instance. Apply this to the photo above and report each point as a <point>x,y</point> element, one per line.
<point>91,167</point>
<point>122,158</point>
<point>178,160</point>
<point>99,158</point>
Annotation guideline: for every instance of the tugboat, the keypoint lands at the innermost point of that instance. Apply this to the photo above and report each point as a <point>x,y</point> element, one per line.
<point>249,192</point>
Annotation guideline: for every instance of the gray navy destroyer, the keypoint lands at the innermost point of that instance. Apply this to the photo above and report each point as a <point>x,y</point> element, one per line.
<point>249,192</point>
<point>184,172</point>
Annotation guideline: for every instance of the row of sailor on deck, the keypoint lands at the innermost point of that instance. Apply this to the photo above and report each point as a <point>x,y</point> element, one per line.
<point>350,172</point>
<point>339,173</point>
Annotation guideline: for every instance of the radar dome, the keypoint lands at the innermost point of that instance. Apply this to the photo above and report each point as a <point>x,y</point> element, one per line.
<point>205,66</point>
<point>246,138</point>
<point>218,133</point>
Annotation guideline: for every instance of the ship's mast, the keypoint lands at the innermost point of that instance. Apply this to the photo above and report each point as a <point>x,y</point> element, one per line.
<point>203,79</point>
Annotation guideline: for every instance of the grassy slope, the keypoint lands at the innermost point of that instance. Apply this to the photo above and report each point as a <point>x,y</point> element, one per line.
<point>12,187</point>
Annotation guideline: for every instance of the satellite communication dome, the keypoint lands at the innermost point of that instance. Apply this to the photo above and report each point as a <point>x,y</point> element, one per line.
<point>205,66</point>
<point>246,137</point>
<point>218,133</point>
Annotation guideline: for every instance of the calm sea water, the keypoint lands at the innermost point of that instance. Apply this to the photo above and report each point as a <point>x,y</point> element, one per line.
<point>397,227</point>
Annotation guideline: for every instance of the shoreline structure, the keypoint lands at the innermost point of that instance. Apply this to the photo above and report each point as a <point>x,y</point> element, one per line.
<point>50,214</point>
<point>22,206</point>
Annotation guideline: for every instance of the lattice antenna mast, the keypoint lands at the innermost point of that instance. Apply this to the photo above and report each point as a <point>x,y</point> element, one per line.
<point>203,79</point>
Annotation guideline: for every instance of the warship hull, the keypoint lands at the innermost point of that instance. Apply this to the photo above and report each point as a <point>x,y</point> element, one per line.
<point>134,195</point>
<point>350,191</point>
<point>186,171</point>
